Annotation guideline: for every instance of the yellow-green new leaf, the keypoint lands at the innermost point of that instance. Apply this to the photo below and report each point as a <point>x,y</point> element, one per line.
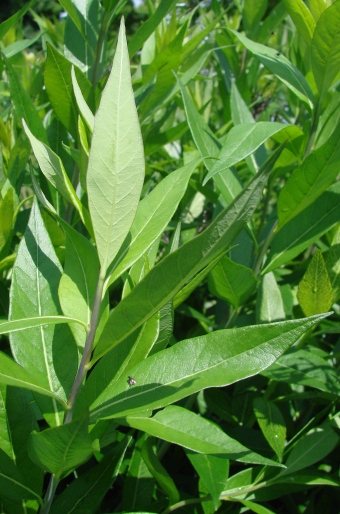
<point>315,290</point>
<point>116,163</point>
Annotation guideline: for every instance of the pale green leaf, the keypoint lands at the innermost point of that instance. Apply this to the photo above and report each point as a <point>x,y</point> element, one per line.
<point>153,214</point>
<point>43,350</point>
<point>175,270</point>
<point>15,375</point>
<point>269,300</point>
<point>214,360</point>
<point>53,169</point>
<point>242,141</point>
<point>116,163</point>
<point>82,105</point>
<point>315,293</point>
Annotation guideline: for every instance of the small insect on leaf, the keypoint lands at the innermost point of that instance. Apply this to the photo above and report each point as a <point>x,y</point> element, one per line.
<point>131,381</point>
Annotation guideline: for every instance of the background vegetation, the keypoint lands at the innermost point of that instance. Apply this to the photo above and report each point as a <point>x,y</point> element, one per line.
<point>169,256</point>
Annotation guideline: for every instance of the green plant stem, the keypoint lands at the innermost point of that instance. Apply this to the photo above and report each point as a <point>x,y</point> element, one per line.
<point>52,486</point>
<point>87,350</point>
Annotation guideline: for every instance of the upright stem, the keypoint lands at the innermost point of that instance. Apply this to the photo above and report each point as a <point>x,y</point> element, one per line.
<point>87,350</point>
<point>52,486</point>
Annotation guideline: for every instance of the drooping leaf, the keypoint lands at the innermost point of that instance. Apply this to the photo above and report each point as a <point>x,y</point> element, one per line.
<point>242,141</point>
<point>280,66</point>
<point>180,426</point>
<point>302,367</point>
<point>7,24</point>
<point>116,163</point>
<point>12,482</point>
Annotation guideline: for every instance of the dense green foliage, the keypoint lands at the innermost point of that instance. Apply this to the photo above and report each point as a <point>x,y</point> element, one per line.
<point>170,257</point>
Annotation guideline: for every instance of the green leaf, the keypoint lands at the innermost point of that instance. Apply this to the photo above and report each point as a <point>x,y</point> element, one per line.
<point>255,507</point>
<point>213,470</point>
<point>24,105</point>
<point>311,448</point>
<point>116,163</point>
<point>81,44</point>
<point>15,375</point>
<point>7,24</point>
<point>304,368</point>
<point>302,18</point>
<point>153,214</point>
<point>253,13</point>
<point>159,472</point>
<point>149,26</point>
<point>306,228</point>
<point>21,422</point>
<point>315,293</point>
<point>175,270</point>
<point>317,172</point>
<point>86,493</point>
<point>332,262</point>
<point>42,351</point>
<point>12,482</point>
<point>231,282</point>
<point>58,82</point>
<point>272,425</point>
<point>195,364</point>
<point>242,141</point>
<point>62,448</point>
<point>22,324</point>
<point>269,300</point>
<point>53,169</point>
<point>281,67</point>
<point>180,426</point>
<point>79,281</point>
<point>73,13</point>
<point>325,50</point>
<point>82,105</point>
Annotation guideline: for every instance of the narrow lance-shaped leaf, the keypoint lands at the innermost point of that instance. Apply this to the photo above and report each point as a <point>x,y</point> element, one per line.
<point>242,141</point>
<point>153,214</point>
<point>280,66</point>
<point>214,360</point>
<point>180,426</point>
<point>325,50</point>
<point>116,163</point>
<point>173,272</point>
<point>34,292</point>
<point>317,172</point>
